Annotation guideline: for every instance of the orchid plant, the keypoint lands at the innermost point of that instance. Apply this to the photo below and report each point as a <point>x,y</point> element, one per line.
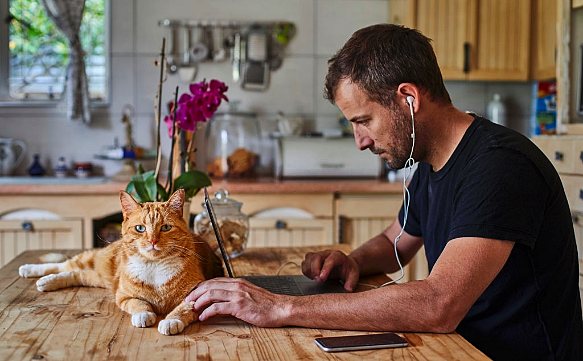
<point>194,107</point>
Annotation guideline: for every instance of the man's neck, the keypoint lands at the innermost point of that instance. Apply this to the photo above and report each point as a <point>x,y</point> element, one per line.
<point>440,133</point>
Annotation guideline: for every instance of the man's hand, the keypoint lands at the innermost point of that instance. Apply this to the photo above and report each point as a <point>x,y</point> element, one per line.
<point>241,299</point>
<point>330,264</point>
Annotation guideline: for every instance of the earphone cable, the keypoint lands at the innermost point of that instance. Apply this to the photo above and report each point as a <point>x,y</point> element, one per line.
<point>406,199</point>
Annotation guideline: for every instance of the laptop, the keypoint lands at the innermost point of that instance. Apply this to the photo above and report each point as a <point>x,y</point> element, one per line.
<point>294,285</point>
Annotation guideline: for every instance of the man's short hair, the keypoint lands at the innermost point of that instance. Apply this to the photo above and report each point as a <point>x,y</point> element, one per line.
<point>380,57</point>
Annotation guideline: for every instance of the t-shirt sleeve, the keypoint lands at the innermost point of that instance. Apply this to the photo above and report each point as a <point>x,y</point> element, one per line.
<point>501,195</point>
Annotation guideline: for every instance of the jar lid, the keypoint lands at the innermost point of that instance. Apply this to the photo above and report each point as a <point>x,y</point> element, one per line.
<point>221,199</point>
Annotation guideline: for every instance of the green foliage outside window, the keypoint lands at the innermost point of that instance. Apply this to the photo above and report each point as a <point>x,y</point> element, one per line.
<point>39,54</point>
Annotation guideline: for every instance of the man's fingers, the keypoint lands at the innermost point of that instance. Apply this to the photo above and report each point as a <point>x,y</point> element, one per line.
<point>351,281</point>
<point>333,260</point>
<point>219,282</point>
<point>214,310</point>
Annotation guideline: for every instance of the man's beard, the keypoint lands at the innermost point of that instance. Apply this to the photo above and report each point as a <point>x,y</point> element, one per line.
<point>401,130</point>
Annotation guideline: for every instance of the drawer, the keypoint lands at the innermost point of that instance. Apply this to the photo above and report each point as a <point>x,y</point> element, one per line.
<point>272,232</point>
<point>574,189</point>
<point>19,236</point>
<point>559,150</point>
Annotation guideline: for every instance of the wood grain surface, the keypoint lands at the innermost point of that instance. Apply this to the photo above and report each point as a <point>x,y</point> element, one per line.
<point>85,324</point>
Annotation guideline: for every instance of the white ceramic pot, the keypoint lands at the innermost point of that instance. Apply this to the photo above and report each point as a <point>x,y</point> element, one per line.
<point>12,153</point>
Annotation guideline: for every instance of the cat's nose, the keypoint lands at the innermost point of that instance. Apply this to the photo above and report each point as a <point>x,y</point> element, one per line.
<point>154,241</point>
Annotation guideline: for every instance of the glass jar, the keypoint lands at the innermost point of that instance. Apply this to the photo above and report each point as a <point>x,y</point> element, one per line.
<point>233,142</point>
<point>233,224</point>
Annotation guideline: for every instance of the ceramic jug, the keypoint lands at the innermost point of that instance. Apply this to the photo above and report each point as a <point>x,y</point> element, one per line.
<point>12,153</point>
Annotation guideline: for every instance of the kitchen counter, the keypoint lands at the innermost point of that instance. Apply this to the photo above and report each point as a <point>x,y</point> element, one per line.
<point>98,185</point>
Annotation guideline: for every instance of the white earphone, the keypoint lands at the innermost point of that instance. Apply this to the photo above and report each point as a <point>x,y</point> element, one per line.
<point>410,100</point>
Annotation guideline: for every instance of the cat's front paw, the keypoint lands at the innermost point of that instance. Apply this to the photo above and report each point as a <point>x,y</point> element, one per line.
<point>50,283</point>
<point>29,270</point>
<point>170,326</point>
<point>143,319</point>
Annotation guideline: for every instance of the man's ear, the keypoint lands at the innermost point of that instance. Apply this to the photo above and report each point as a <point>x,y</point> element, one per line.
<point>405,90</point>
<point>128,203</point>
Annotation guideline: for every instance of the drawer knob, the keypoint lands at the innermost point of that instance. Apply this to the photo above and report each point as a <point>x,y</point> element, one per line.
<point>581,156</point>
<point>580,193</point>
<point>559,156</point>
<point>27,226</point>
<point>279,224</point>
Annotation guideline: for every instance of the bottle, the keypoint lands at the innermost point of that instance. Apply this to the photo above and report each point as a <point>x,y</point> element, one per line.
<point>233,223</point>
<point>36,169</point>
<point>61,170</point>
<point>496,110</point>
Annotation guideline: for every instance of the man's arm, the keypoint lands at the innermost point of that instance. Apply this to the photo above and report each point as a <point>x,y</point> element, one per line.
<point>437,304</point>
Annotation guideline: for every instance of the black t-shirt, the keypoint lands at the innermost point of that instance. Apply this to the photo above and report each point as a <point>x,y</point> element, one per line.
<point>498,184</point>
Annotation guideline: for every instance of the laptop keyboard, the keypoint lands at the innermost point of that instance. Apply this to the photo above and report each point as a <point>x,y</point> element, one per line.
<point>281,284</point>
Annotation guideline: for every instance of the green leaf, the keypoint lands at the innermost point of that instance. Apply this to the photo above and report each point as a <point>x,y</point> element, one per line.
<point>162,194</point>
<point>143,187</point>
<point>192,182</point>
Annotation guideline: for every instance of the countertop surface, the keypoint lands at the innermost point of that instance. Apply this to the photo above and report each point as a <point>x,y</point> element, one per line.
<point>100,185</point>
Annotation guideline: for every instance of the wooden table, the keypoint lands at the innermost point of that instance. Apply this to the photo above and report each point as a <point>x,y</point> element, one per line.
<point>85,324</point>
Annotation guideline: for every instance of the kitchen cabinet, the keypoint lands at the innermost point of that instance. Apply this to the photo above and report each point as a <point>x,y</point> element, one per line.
<point>17,236</point>
<point>475,39</point>
<point>544,39</point>
<point>363,216</point>
<point>308,216</point>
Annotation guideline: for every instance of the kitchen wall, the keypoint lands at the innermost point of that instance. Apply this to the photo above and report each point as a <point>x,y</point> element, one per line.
<point>296,88</point>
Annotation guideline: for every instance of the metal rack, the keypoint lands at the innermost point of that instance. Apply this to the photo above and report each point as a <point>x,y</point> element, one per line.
<point>254,48</point>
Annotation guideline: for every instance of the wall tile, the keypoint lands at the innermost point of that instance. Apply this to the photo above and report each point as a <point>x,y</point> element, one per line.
<point>122,82</point>
<point>338,19</point>
<point>468,96</point>
<point>122,26</point>
<point>323,106</point>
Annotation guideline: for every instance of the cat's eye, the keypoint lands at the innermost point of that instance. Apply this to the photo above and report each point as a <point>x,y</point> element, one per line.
<point>141,228</point>
<point>165,228</point>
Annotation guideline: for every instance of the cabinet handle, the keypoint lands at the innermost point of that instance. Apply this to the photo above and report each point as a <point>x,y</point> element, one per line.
<point>559,156</point>
<point>581,156</point>
<point>466,57</point>
<point>279,224</point>
<point>580,193</point>
<point>27,226</point>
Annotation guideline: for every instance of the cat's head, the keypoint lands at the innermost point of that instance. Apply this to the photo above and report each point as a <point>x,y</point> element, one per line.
<point>154,229</point>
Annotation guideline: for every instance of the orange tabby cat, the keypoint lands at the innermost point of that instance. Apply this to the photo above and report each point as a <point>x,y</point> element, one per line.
<point>151,269</point>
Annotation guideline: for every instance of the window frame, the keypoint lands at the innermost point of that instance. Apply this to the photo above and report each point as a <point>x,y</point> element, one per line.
<point>7,102</point>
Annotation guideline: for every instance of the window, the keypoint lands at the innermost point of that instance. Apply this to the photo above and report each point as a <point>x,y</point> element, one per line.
<point>34,54</point>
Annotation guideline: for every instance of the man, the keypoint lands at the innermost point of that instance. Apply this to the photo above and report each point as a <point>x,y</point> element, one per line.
<point>486,203</point>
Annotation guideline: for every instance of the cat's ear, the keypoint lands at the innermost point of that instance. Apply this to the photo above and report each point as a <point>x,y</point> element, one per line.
<point>128,203</point>
<point>176,201</point>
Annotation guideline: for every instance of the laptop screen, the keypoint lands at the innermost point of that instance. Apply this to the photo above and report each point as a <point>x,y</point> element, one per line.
<point>209,209</point>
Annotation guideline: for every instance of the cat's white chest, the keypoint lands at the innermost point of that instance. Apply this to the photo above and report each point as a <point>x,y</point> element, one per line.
<point>152,273</point>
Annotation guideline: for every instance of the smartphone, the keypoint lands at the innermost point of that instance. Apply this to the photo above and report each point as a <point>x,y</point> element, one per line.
<point>360,342</point>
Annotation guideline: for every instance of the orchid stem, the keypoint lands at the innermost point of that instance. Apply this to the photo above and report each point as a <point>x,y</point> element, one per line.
<point>174,132</point>
<point>159,110</point>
